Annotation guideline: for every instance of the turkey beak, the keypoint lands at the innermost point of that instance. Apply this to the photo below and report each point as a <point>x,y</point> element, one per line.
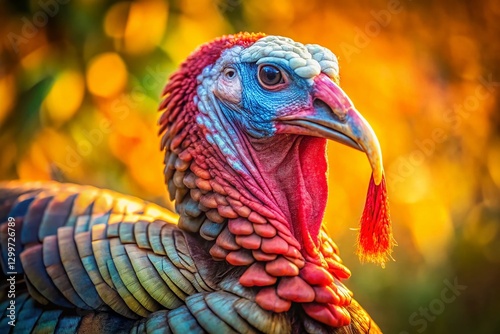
<point>334,117</point>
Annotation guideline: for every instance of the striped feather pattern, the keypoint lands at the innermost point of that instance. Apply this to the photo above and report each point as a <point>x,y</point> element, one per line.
<point>90,258</point>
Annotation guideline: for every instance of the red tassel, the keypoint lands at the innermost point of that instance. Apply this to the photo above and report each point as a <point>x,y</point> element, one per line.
<point>375,238</point>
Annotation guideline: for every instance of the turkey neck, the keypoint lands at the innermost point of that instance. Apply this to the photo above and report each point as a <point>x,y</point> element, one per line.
<point>292,173</point>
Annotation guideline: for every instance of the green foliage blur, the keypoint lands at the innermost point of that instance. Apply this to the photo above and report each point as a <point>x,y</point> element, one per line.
<point>80,82</point>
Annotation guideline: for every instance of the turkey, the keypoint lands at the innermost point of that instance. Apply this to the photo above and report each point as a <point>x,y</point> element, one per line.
<point>244,126</point>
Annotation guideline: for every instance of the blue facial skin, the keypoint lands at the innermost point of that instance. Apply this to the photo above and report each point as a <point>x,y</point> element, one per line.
<point>259,106</point>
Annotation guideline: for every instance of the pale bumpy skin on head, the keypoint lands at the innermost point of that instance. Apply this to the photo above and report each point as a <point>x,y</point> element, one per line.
<point>306,60</point>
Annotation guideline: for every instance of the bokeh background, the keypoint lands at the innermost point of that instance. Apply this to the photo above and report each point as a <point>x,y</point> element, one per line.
<point>80,81</point>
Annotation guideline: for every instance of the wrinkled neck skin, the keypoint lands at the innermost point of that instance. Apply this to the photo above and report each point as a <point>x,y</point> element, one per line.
<point>285,174</point>
<point>292,173</point>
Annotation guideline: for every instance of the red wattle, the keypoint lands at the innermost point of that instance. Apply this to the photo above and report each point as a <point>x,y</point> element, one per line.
<point>375,240</point>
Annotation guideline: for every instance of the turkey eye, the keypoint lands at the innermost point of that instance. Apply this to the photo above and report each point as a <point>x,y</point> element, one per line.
<point>229,73</point>
<point>270,76</point>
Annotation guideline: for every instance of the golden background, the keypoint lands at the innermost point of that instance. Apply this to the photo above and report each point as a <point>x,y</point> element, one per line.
<point>80,82</point>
